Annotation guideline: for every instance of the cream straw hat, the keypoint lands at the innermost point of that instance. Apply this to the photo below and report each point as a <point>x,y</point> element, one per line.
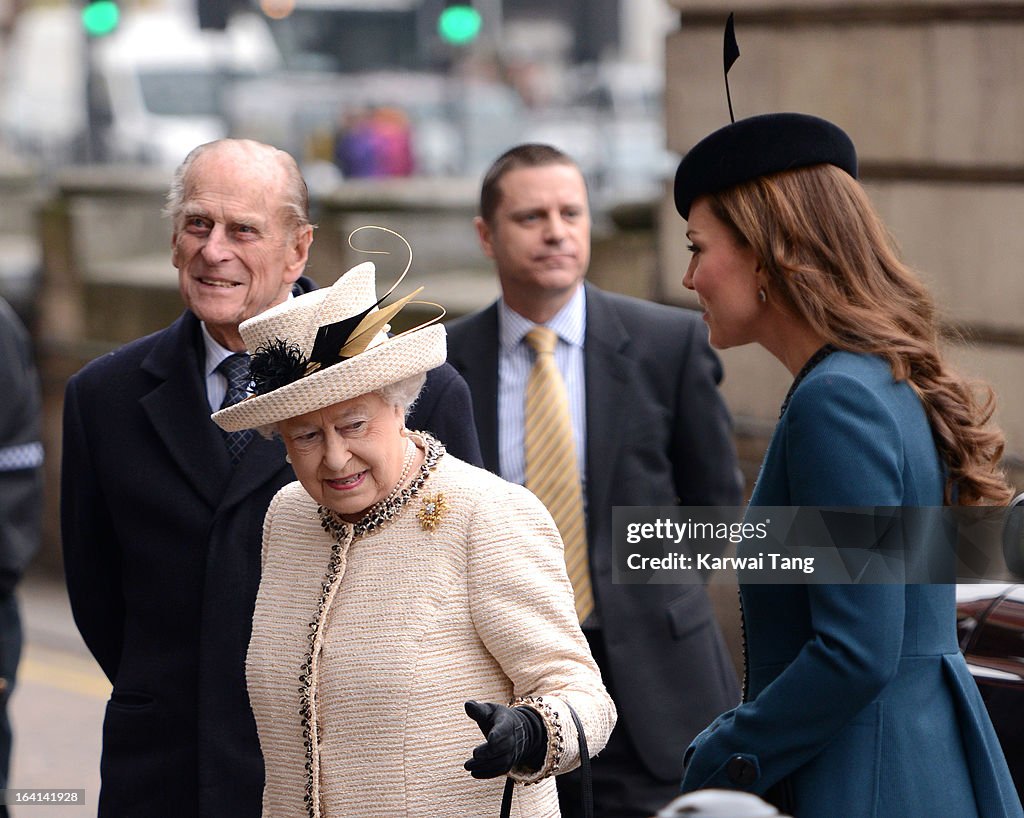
<point>284,339</point>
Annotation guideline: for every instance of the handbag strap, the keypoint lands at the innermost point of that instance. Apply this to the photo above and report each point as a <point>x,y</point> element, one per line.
<point>586,778</point>
<point>506,798</point>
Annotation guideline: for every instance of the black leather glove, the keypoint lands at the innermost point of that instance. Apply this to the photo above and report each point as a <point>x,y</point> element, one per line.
<point>516,737</point>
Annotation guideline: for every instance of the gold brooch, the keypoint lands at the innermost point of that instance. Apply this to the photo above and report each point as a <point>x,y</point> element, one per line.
<point>432,511</point>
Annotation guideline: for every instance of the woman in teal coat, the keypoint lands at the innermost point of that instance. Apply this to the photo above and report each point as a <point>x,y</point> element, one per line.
<point>857,702</point>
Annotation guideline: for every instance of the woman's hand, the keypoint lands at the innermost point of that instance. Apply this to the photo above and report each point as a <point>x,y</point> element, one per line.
<point>516,737</point>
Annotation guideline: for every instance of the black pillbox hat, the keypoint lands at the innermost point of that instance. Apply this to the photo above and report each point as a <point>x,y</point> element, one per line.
<point>759,146</point>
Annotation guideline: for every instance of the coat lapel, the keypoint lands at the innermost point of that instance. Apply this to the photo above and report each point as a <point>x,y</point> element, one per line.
<point>178,409</point>
<point>607,377</point>
<point>263,460</point>
<point>180,414</point>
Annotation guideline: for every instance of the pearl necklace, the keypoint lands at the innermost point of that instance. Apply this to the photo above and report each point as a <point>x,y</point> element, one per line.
<point>384,511</point>
<point>410,452</point>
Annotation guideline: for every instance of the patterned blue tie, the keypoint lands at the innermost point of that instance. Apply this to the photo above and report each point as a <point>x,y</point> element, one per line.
<point>236,369</point>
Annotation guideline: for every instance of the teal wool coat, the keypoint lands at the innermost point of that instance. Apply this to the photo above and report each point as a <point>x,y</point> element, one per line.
<point>859,702</point>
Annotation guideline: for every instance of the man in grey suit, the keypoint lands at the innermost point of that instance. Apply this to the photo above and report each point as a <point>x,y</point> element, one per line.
<point>650,428</point>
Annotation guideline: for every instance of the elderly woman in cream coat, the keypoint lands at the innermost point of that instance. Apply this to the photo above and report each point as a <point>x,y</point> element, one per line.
<point>402,589</point>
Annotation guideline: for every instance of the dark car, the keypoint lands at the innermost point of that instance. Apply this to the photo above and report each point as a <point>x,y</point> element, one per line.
<point>990,626</point>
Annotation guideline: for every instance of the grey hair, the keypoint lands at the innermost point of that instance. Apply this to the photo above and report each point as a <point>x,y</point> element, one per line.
<point>296,193</point>
<point>402,394</point>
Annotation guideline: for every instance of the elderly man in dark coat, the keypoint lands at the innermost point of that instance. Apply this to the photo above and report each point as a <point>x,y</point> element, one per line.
<point>162,513</point>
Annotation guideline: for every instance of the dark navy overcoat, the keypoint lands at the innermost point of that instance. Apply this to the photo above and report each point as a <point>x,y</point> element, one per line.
<point>162,545</point>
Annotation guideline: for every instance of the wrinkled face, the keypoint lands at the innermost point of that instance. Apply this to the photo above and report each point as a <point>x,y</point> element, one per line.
<point>235,251</point>
<point>347,456</point>
<point>723,274</point>
<point>539,236</point>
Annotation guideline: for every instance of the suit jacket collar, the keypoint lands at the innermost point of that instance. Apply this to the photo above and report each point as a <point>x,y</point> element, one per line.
<point>178,409</point>
<point>606,367</point>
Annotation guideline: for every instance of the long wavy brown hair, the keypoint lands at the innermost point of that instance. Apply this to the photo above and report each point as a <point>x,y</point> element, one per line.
<point>827,257</point>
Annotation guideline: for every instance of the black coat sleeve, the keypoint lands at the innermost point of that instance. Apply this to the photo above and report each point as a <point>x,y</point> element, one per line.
<point>445,409</point>
<point>91,564</point>
<point>704,456</point>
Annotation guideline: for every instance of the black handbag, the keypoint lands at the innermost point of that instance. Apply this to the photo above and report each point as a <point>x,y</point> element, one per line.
<point>586,781</point>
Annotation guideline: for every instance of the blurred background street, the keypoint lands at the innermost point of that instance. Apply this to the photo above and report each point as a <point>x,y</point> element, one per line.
<point>393,108</point>
<point>352,89</point>
<point>57,706</point>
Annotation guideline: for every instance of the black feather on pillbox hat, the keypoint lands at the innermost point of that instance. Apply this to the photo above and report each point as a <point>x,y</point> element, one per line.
<point>759,146</point>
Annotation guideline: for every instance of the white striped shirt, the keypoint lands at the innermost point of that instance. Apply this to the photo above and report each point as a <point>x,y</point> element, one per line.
<point>515,360</point>
<point>216,382</point>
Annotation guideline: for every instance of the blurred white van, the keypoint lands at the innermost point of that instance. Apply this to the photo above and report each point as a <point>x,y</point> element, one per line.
<point>149,92</point>
<point>42,99</point>
<point>159,81</point>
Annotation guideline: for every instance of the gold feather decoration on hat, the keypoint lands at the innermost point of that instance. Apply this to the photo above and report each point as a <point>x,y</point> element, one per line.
<point>332,339</point>
<point>363,335</point>
<point>279,363</point>
<point>351,336</point>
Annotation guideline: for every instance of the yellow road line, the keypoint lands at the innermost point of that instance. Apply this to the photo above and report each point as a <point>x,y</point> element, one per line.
<point>63,671</point>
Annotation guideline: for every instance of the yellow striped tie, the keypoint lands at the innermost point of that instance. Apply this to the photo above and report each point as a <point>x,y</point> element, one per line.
<point>551,471</point>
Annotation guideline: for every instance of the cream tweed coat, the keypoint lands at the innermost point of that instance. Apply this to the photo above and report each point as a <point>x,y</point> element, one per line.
<point>421,621</point>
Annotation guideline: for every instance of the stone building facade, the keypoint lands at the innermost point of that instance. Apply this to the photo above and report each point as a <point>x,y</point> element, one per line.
<point>930,92</point>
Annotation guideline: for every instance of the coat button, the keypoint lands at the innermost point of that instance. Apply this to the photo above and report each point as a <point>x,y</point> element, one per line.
<point>741,771</point>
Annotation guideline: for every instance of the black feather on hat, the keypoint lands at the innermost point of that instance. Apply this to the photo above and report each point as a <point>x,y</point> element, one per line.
<point>758,146</point>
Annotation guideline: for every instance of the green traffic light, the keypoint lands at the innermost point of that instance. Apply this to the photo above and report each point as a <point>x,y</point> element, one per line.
<point>100,17</point>
<point>459,24</point>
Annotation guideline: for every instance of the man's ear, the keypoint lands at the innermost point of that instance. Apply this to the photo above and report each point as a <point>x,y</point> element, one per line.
<point>483,232</point>
<point>298,253</point>
<point>175,260</point>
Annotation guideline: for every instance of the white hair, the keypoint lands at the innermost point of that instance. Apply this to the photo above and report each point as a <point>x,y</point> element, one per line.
<point>294,194</point>
<point>402,394</point>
